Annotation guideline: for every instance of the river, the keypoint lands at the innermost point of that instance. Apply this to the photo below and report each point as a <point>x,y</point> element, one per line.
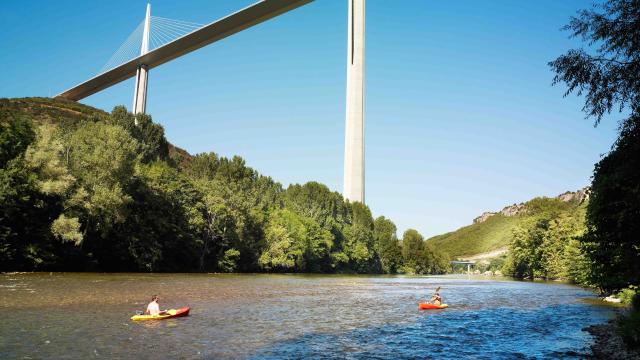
<point>86,315</point>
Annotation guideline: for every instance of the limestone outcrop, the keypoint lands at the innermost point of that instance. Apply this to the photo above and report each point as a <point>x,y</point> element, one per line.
<point>580,196</point>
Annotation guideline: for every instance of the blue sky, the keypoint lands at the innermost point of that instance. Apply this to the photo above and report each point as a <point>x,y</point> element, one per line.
<point>460,118</point>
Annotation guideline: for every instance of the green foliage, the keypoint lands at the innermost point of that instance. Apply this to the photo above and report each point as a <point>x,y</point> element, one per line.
<point>413,251</point>
<point>46,159</point>
<point>15,136</point>
<point>627,295</point>
<point>421,257</point>
<point>497,231</point>
<point>612,242</point>
<point>387,245</point>
<point>24,209</point>
<point>629,323</point>
<point>229,261</point>
<point>67,229</point>
<point>608,74</point>
<point>438,261</point>
<point>153,146</point>
<point>23,215</point>
<point>86,190</point>
<point>492,234</point>
<point>294,243</point>
<point>203,166</point>
<point>317,202</point>
<point>358,243</point>
<point>545,245</point>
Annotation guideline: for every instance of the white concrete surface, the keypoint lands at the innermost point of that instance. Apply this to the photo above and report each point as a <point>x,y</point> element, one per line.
<point>354,124</point>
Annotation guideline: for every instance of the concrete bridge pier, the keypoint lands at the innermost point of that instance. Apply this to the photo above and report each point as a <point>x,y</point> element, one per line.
<point>354,124</point>
<point>140,92</point>
<point>142,74</point>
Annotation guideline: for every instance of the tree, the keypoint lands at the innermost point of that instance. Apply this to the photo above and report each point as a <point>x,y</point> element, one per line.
<point>15,135</point>
<point>387,245</point>
<point>103,179</point>
<point>413,252</point>
<point>152,143</point>
<point>610,79</point>
<point>612,241</point>
<point>294,243</point>
<point>438,261</point>
<point>203,166</point>
<point>25,213</point>
<point>546,245</point>
<point>358,244</point>
<point>316,201</point>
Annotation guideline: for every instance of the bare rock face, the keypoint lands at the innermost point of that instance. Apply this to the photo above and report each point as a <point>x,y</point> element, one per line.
<point>482,218</point>
<point>580,196</point>
<point>513,210</point>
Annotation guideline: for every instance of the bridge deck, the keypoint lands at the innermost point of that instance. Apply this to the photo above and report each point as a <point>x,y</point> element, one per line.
<point>217,30</point>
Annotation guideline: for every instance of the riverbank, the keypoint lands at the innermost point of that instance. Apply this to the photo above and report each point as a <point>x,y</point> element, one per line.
<point>608,343</point>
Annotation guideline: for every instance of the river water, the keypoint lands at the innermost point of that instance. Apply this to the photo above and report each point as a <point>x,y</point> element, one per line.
<point>83,316</point>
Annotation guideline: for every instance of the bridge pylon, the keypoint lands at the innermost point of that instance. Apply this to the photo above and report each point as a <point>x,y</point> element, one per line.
<point>142,74</point>
<point>354,124</point>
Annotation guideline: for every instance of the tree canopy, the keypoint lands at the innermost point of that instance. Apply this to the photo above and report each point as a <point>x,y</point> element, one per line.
<point>87,190</point>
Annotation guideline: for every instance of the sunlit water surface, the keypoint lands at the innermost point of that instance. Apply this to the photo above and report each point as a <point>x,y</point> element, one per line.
<point>81,316</point>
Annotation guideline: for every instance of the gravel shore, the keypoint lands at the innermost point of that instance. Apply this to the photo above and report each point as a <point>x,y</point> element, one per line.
<point>608,344</point>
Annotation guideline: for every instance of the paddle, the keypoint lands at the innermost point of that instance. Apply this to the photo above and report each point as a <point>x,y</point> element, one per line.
<point>434,294</point>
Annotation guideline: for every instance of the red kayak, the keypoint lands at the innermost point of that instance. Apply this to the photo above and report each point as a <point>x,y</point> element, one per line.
<point>169,314</point>
<point>427,306</point>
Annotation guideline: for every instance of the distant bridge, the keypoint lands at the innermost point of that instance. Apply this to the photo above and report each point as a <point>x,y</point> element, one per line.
<point>468,263</point>
<point>159,40</point>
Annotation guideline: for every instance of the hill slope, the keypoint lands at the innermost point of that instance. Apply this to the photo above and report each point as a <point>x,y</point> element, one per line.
<point>493,231</point>
<point>60,111</point>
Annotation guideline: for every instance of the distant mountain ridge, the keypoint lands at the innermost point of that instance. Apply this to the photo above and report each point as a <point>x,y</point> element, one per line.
<point>491,231</point>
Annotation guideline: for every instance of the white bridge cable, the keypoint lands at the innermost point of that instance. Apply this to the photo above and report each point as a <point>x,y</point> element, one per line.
<point>188,23</point>
<point>130,49</point>
<point>165,30</point>
<point>161,31</point>
<point>176,29</point>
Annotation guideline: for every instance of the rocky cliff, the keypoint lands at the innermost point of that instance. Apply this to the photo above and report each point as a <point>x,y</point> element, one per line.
<point>578,196</point>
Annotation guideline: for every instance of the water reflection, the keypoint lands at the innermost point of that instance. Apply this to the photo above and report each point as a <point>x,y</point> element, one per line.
<point>255,316</point>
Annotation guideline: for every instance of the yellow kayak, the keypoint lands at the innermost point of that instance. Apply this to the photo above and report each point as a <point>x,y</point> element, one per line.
<point>173,313</point>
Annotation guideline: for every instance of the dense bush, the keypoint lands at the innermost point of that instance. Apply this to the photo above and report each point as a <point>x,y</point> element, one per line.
<point>629,324</point>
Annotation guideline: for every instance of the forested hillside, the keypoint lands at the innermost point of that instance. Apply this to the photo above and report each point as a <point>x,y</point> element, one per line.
<point>497,231</point>
<point>82,189</point>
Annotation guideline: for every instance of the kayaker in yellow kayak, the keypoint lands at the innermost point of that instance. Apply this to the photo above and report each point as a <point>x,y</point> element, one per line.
<point>154,308</point>
<point>436,299</point>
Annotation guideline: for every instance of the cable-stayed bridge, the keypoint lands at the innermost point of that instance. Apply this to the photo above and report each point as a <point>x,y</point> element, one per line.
<point>161,32</point>
<point>157,40</point>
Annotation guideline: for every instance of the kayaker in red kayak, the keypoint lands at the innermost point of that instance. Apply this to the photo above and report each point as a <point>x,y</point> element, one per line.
<point>436,299</point>
<point>153,308</point>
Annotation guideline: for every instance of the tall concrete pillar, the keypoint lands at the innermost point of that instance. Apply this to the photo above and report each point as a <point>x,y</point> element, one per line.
<point>142,74</point>
<point>354,129</point>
